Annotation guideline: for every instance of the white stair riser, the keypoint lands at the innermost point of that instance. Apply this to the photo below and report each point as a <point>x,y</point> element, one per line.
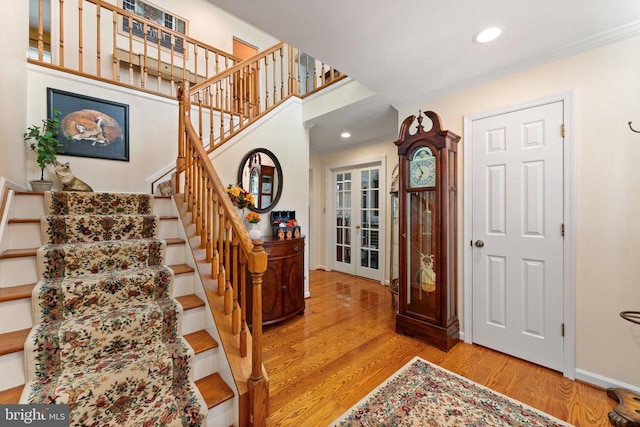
<point>175,254</point>
<point>24,235</point>
<point>162,207</point>
<point>221,415</point>
<point>28,206</point>
<point>18,271</point>
<point>18,315</point>
<point>182,284</point>
<point>205,364</point>
<point>192,320</point>
<point>12,368</point>
<point>168,228</point>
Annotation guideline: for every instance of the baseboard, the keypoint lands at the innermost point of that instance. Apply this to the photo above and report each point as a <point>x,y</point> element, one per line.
<point>320,267</point>
<point>603,382</point>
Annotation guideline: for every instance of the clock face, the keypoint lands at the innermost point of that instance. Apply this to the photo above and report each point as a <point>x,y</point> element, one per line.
<point>422,172</point>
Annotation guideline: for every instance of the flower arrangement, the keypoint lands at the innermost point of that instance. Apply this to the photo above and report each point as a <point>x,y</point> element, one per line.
<point>240,197</point>
<point>253,217</point>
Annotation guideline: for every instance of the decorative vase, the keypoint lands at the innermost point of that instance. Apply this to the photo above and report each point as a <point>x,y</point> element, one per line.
<point>254,230</point>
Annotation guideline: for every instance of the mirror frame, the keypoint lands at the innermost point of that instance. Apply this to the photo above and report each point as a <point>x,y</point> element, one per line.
<point>276,163</point>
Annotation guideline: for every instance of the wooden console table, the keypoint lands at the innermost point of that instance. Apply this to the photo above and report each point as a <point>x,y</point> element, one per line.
<point>283,282</point>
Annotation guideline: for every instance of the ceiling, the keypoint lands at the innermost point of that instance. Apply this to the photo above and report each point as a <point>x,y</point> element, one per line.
<point>417,49</point>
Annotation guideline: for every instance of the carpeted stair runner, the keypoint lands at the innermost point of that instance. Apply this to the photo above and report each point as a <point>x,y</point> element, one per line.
<point>106,337</point>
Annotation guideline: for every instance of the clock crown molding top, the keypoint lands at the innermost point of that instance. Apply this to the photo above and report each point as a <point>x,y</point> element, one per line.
<point>436,134</point>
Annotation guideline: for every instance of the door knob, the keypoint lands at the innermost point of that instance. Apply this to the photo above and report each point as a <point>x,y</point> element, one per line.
<point>479,243</point>
<point>358,227</point>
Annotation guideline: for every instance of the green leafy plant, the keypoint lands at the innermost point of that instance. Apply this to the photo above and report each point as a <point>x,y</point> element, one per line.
<point>43,140</point>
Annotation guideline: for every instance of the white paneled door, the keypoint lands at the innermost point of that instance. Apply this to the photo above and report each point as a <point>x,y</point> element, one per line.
<point>517,228</point>
<point>358,216</point>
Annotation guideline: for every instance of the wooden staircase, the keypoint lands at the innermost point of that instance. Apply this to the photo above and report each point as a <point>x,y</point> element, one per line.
<point>19,241</point>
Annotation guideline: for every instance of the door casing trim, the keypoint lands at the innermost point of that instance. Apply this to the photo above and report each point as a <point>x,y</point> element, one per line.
<point>569,207</point>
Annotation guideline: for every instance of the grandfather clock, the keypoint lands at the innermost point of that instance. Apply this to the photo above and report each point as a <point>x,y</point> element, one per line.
<point>427,290</point>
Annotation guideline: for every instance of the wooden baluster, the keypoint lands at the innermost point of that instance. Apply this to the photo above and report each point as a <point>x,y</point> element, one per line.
<point>198,202</point>
<point>61,58</point>
<point>195,66</point>
<point>206,216</point>
<point>266,82</point>
<point>206,64</point>
<point>80,36</point>
<point>114,36</point>
<point>40,31</point>
<point>98,32</point>
<point>243,304</point>
<point>228,295</point>
<point>172,56</point>
<point>235,314</point>
<point>275,73</point>
<point>144,66</point>
<point>258,108</point>
<point>221,255</point>
<point>131,52</point>
<point>281,72</point>
<point>232,94</point>
<point>214,227</point>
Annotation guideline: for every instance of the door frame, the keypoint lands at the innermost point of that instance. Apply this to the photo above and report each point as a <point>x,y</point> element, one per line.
<point>330,221</point>
<point>569,206</point>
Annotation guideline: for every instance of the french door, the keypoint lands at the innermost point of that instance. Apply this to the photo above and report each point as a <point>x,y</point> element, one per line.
<point>358,215</point>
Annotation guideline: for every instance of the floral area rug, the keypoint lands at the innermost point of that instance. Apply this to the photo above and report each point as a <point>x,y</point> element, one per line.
<point>423,394</point>
<point>106,336</point>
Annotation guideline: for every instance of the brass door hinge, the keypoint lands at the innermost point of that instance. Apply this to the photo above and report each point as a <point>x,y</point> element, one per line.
<point>562,229</point>
<point>562,331</point>
<point>562,130</point>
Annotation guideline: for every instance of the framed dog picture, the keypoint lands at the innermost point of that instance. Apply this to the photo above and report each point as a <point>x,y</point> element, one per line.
<point>90,127</point>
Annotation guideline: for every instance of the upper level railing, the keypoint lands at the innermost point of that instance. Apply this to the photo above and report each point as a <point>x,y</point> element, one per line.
<point>105,42</point>
<point>102,41</point>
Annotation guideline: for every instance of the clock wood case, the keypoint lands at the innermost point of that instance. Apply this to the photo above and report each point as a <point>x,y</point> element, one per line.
<point>427,198</point>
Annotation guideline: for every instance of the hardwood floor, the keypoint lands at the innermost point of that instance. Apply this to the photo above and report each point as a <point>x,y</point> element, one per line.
<point>322,363</point>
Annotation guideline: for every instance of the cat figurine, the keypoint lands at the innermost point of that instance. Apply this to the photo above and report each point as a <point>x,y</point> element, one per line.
<point>68,179</point>
<point>91,126</point>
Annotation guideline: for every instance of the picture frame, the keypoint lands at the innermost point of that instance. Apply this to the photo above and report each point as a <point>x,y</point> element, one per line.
<point>90,127</point>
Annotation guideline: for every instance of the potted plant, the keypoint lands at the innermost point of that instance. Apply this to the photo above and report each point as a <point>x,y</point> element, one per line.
<point>43,140</point>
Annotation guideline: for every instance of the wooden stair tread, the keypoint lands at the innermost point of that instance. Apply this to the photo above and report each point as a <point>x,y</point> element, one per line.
<point>214,390</point>
<point>13,342</point>
<point>190,301</point>
<point>181,268</point>
<point>174,241</point>
<point>30,193</point>
<point>167,217</point>
<point>24,220</point>
<point>201,341</point>
<point>11,396</point>
<point>16,292</point>
<point>18,253</point>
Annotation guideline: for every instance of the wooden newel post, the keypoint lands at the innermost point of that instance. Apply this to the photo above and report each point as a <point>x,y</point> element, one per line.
<point>258,386</point>
<point>184,109</point>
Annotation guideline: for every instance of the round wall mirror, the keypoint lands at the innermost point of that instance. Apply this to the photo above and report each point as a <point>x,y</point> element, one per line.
<point>260,174</point>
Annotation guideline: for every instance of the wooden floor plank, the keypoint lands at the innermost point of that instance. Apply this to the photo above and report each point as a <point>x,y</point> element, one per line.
<point>11,396</point>
<point>323,362</point>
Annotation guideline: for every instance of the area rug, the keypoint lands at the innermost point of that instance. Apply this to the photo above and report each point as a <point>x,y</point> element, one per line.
<point>423,394</point>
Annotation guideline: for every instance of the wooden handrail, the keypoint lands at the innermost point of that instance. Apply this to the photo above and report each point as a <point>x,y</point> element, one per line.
<point>228,248</point>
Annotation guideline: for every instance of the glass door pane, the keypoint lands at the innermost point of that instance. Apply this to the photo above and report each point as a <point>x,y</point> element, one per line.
<point>343,218</point>
<point>369,219</point>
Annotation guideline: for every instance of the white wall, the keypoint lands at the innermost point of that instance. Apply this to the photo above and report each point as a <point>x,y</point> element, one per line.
<point>153,123</point>
<point>282,133</point>
<point>13,86</point>
<point>607,95</point>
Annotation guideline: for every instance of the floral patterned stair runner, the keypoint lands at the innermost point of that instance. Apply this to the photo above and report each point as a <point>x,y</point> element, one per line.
<point>107,334</point>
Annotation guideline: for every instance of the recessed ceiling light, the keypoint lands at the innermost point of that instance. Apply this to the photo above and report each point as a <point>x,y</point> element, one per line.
<point>345,135</point>
<point>487,35</point>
